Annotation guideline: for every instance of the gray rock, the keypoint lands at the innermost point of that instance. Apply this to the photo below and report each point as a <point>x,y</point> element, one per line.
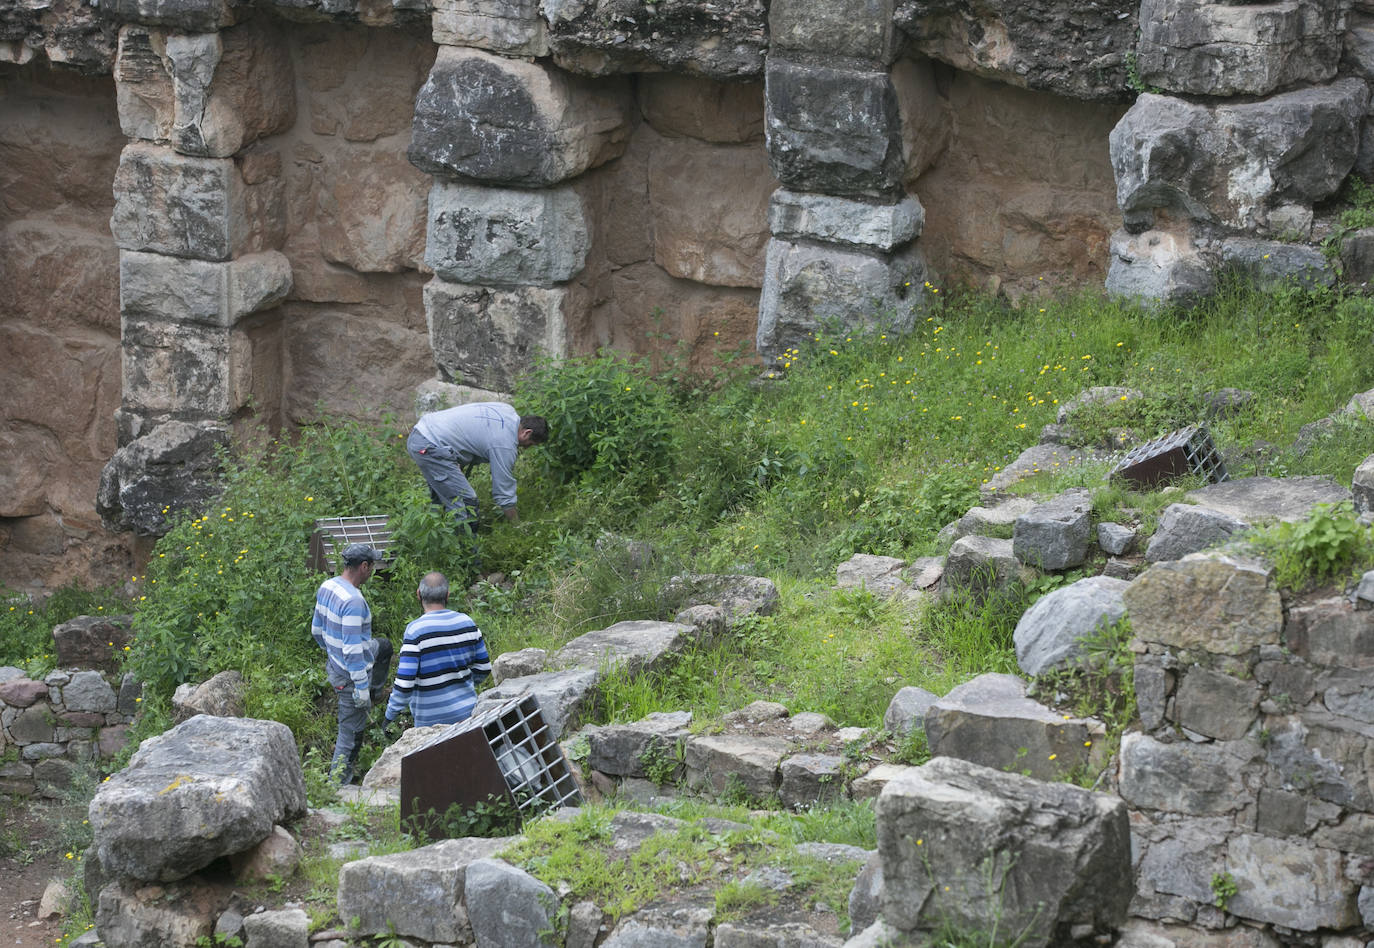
<point>866,898</point>
<point>1215,704</point>
<point>1115,539</point>
<point>504,236</point>
<point>1286,883</point>
<point>1362,486</point>
<point>998,521</point>
<point>1217,49</point>
<point>130,690</point>
<point>1153,685</point>
<point>584,925</point>
<point>507,907</point>
<point>725,764</point>
<point>738,595</point>
<point>1364,591</point>
<point>597,37</point>
<point>907,710</point>
<point>794,215</point>
<point>88,691</point>
<point>809,287</point>
<point>1030,45</point>
<point>564,697</point>
<point>283,928</point>
<point>417,894</point>
<point>1054,535</point>
<point>985,849</point>
<point>621,749</point>
<point>1157,266</point>
<point>1271,264</point>
<point>129,914</point>
<point>1221,604</point>
<point>510,27</point>
<point>187,16</point>
<point>1097,395</point>
<point>925,571</point>
<point>526,661</point>
<point>1038,458</point>
<point>982,565</point>
<point>173,468</point>
<point>635,647</point>
<point>859,29</point>
<point>487,336</point>
<point>162,289</point>
<point>1051,633</point>
<point>205,789</point>
<point>990,721</point>
<point>1233,164</point>
<point>880,575</point>
<point>276,856</point>
<point>769,934</point>
<point>1259,499</point>
<point>833,129</point>
<point>809,779</point>
<point>1184,529</point>
<point>222,696</point>
<point>1184,864</point>
<point>90,642</point>
<point>686,927</point>
<point>1194,779</point>
<point>510,122</point>
<point>1331,632</point>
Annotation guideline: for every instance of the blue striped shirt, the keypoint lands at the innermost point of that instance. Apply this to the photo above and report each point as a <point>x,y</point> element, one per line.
<point>342,623</point>
<point>443,658</point>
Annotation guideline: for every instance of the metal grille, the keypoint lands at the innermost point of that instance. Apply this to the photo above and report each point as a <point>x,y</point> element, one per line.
<point>530,759</point>
<point>1186,451</point>
<point>332,534</point>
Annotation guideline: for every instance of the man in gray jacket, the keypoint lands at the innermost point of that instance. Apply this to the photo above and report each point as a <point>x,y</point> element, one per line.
<point>445,443</point>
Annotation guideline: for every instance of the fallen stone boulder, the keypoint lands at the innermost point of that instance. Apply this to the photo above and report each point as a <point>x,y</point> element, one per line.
<point>738,595</point>
<point>1185,528</point>
<point>724,764</point>
<point>906,711</point>
<point>1051,633</point>
<point>222,696</point>
<point>91,641</point>
<point>880,575</point>
<point>1259,499</point>
<point>655,742</point>
<point>981,566</point>
<point>208,788</point>
<point>1055,535</point>
<point>985,850</point>
<point>635,647</point>
<point>508,906</point>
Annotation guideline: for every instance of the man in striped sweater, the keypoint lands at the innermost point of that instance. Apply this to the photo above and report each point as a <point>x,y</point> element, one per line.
<point>443,659</point>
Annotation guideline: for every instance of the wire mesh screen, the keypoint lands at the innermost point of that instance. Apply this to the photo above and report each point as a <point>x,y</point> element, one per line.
<point>1185,451</point>
<point>332,534</point>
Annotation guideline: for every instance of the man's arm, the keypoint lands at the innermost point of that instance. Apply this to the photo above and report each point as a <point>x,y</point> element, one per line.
<point>355,628</point>
<point>502,463</point>
<point>407,667</point>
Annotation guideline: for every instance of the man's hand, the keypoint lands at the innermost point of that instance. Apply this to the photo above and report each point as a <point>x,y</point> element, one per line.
<point>361,698</point>
<point>391,730</point>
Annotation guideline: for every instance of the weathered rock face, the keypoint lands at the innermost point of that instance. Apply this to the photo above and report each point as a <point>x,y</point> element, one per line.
<point>1079,53</point>
<point>67,33</point>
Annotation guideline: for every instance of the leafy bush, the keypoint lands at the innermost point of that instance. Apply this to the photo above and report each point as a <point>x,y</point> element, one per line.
<point>26,626</point>
<point>1329,544</point>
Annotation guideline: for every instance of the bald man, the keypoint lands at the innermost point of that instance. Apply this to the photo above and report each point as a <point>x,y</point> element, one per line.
<point>443,659</point>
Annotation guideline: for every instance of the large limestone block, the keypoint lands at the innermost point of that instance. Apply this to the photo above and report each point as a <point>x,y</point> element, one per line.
<point>415,894</point>
<point>1052,632</point>
<point>1186,528</point>
<point>1214,602</point>
<point>565,698</point>
<point>1234,164</point>
<point>510,27</point>
<point>1331,632</point>
<point>1288,883</point>
<point>885,225</point>
<point>185,206</point>
<point>183,16</point>
<point>131,915</point>
<point>833,129</point>
<point>710,210</point>
<point>990,721</point>
<point>635,647</point>
<point>508,906</point>
<point>205,789</point>
<point>172,468</point>
<point>1206,48</point>
<point>371,211</point>
<point>1196,779</point>
<point>621,749</point>
<point>155,288</point>
<point>726,764</point>
<point>1271,264</point>
<point>982,565</point>
<point>177,370</point>
<point>487,336</point>
<point>1158,266</point>
<point>811,287</point>
<point>1055,534</point>
<point>695,107</point>
<point>208,93</point>
<point>1035,45</point>
<point>507,121</point>
<point>1215,704</point>
<point>984,850</point>
<point>702,37</point>
<point>856,29</point>
<point>1259,499</point>
<point>505,236</point>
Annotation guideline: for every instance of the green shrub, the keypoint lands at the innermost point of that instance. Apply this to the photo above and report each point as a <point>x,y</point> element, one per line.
<point>26,626</point>
<point>1330,544</point>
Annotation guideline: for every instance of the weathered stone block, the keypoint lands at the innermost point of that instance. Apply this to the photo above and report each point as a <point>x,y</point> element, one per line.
<point>508,906</point>
<point>510,27</point>
<point>856,29</point>
<point>1157,265</point>
<point>172,468</point>
<point>154,287</point>
<point>808,779</point>
<point>564,697</point>
<point>176,369</point>
<point>1185,529</point>
<point>1184,864</point>
<point>684,106</point>
<point>1234,164</point>
<point>983,565</point>
<point>184,16</point>
<point>131,915</point>
<point>506,121</point>
<point>833,129</point>
<point>1362,486</point>
<point>1196,779</point>
<point>88,691</point>
<point>184,206</point>
<point>505,237</point>
<point>749,764</point>
<point>622,750</point>
<point>1273,263</point>
<point>720,41</point>
<point>1288,883</point>
<point>1217,603</point>
<point>211,93</point>
<point>808,288</point>
<point>1052,632</point>
<point>990,721</point>
<point>1054,535</point>
<point>633,647</point>
<point>1331,632</point>
<point>279,928</point>
<point>90,642</point>
<point>1220,49</point>
<point>1215,704</point>
<point>884,226</point>
<point>982,849</point>
<point>487,336</point>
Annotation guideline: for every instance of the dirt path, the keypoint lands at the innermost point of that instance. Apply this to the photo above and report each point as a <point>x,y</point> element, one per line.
<point>28,862</point>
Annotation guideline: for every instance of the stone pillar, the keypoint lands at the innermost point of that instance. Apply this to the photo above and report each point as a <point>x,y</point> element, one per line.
<point>839,132</point>
<point>198,220</point>
<point>1209,184</point>
<point>503,137</point>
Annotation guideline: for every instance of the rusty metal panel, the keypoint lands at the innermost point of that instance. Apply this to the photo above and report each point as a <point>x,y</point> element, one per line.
<point>1177,454</point>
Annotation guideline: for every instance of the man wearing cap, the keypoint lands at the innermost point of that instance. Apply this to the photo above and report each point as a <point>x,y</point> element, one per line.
<point>443,659</point>
<point>443,443</point>
<point>357,664</point>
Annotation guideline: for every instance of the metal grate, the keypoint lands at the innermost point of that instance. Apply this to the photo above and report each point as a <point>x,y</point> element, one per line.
<point>332,534</point>
<point>506,751</point>
<point>1186,451</point>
